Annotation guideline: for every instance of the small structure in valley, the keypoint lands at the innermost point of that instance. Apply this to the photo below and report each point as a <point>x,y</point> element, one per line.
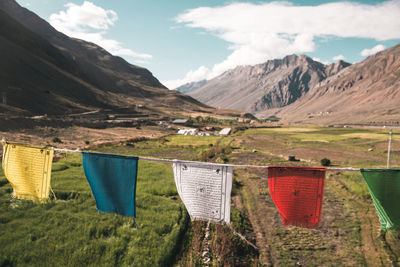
<point>180,121</point>
<point>225,131</point>
<point>188,131</point>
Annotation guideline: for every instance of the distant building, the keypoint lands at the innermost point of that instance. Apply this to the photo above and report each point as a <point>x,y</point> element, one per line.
<point>182,131</point>
<point>180,121</point>
<point>225,131</point>
<point>188,131</point>
<point>207,128</point>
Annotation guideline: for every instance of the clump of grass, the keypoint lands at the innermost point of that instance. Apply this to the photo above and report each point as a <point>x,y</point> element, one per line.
<point>215,153</point>
<point>355,184</point>
<point>236,185</point>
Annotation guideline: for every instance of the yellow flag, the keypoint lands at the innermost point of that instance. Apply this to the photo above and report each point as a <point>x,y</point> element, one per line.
<point>28,169</point>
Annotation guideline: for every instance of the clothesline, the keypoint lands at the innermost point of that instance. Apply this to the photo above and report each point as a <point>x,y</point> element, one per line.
<point>348,169</point>
<point>297,192</point>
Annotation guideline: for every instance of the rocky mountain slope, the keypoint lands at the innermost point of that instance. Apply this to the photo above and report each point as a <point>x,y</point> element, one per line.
<point>273,84</point>
<point>367,92</point>
<point>45,71</point>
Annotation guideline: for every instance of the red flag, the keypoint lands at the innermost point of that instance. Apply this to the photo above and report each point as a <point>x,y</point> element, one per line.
<point>297,193</point>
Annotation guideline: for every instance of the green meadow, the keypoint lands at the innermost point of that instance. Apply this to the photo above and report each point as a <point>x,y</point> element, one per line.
<point>69,231</point>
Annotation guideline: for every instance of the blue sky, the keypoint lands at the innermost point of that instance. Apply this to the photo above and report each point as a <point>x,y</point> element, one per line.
<point>181,41</point>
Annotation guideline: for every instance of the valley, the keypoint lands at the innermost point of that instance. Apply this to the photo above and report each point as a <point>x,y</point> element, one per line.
<point>63,92</point>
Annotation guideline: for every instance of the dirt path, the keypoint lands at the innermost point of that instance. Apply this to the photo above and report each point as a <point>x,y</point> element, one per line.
<point>254,204</point>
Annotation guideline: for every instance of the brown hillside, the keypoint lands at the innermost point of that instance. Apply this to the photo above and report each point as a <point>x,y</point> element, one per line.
<point>43,71</point>
<point>36,77</point>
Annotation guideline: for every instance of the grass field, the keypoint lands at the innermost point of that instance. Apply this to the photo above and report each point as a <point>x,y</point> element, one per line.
<point>349,234</point>
<point>69,231</point>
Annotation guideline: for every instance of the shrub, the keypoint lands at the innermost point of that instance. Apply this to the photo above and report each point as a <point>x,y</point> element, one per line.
<point>57,140</point>
<point>325,162</point>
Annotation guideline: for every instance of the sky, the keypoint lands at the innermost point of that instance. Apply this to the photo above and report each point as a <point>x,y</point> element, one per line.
<point>183,41</point>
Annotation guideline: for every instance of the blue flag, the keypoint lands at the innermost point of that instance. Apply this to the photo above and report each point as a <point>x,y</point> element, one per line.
<point>112,179</point>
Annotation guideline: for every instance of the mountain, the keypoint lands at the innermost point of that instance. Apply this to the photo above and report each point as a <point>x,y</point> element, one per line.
<point>334,68</point>
<point>189,87</point>
<point>45,71</point>
<point>273,84</point>
<point>367,92</point>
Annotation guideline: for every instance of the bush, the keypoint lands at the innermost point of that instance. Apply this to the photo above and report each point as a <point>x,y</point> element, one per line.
<point>325,162</point>
<point>57,140</point>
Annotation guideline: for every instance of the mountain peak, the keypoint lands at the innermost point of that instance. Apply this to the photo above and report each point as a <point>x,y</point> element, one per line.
<point>334,68</point>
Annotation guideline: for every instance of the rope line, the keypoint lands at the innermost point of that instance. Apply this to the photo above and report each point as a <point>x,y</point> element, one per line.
<point>347,169</point>
<point>65,150</point>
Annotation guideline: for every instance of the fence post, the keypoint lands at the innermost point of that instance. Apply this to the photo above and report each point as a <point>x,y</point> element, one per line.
<point>389,148</point>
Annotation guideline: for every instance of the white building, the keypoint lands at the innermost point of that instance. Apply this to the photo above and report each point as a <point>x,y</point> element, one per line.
<point>188,131</point>
<point>225,131</point>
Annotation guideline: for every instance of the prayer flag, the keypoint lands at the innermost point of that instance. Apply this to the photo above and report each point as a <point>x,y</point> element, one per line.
<point>297,193</point>
<point>28,169</point>
<point>205,189</point>
<point>384,187</point>
<point>112,179</point>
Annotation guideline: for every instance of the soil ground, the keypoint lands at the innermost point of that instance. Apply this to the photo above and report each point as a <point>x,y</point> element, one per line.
<point>81,137</point>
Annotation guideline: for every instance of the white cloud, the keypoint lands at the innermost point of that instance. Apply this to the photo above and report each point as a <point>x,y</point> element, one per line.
<point>90,23</point>
<point>197,75</point>
<point>338,57</point>
<point>367,52</point>
<point>319,60</point>
<point>258,32</point>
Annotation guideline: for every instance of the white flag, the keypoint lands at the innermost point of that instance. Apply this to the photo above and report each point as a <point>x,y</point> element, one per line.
<point>205,190</point>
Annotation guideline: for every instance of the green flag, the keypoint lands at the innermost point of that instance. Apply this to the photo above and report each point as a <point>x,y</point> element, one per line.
<point>384,187</point>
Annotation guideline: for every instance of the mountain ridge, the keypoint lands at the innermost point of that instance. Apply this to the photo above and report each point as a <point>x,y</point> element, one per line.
<point>273,84</point>
<point>367,92</point>
<point>298,89</point>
